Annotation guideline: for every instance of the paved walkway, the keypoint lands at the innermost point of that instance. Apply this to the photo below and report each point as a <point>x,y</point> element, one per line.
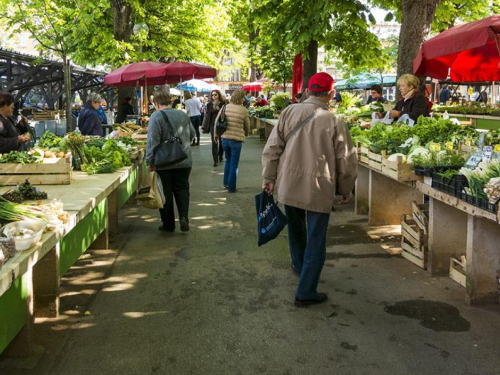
<point>211,302</point>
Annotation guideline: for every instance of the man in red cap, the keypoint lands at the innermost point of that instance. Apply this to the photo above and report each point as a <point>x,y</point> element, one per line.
<point>307,152</point>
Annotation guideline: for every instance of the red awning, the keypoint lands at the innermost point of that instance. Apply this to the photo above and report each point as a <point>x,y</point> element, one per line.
<point>253,86</point>
<point>137,74</point>
<point>467,53</point>
<point>155,73</point>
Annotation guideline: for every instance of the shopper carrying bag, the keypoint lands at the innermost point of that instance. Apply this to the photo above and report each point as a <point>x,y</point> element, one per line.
<point>168,152</point>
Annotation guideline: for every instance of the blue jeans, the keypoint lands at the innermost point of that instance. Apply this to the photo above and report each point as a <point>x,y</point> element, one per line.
<point>196,121</point>
<point>307,242</point>
<point>232,151</point>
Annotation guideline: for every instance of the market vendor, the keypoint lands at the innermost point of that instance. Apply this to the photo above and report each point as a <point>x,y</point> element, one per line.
<point>376,95</point>
<point>413,102</point>
<point>11,137</point>
<point>89,121</point>
<point>260,101</point>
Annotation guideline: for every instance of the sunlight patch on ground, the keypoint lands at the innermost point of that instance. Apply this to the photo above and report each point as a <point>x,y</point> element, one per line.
<point>205,227</point>
<point>140,314</point>
<point>385,230</point>
<point>88,292</point>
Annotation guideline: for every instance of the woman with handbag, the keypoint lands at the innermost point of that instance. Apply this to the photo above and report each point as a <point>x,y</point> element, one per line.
<point>168,152</point>
<point>215,103</point>
<point>237,124</point>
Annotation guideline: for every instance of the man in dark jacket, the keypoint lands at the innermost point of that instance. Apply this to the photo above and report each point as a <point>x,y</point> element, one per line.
<point>124,109</point>
<point>89,121</point>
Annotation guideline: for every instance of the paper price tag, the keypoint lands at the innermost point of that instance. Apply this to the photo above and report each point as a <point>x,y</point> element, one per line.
<point>449,146</point>
<point>435,147</point>
<point>474,160</point>
<point>487,152</point>
<point>497,148</point>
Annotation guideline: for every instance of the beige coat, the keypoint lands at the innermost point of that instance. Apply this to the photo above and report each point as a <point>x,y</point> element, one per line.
<point>305,168</point>
<point>238,122</point>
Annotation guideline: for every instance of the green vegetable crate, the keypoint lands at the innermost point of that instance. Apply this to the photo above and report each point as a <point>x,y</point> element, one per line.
<point>413,242</point>
<point>52,171</point>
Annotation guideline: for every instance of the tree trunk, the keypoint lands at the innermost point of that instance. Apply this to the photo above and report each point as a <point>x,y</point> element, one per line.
<point>123,26</point>
<point>67,92</point>
<point>311,63</point>
<point>253,66</point>
<point>416,21</point>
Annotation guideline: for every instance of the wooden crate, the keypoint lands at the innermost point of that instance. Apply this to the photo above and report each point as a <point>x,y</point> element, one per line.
<point>363,154</point>
<point>398,170</point>
<point>375,161</point>
<point>413,242</point>
<point>139,137</point>
<point>457,271</point>
<point>421,215</point>
<point>53,171</point>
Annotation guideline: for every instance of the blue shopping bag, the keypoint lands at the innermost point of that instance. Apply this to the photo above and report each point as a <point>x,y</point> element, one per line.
<point>270,219</point>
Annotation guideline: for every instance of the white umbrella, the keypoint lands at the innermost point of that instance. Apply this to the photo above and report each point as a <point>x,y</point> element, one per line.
<point>175,92</point>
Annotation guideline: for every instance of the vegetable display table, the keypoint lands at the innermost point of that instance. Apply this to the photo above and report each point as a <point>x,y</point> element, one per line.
<point>456,228</point>
<point>479,121</point>
<point>383,198</point>
<point>29,283</point>
<point>269,125</point>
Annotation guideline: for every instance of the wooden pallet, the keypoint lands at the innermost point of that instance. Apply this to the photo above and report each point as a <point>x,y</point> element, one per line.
<point>53,171</point>
<point>457,271</point>
<point>413,242</point>
<point>421,216</point>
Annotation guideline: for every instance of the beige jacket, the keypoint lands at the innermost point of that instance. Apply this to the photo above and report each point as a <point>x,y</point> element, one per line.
<point>306,167</point>
<point>238,122</point>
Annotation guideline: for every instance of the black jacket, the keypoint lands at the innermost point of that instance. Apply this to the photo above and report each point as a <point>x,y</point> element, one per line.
<point>414,107</point>
<point>124,110</point>
<point>89,121</point>
<point>8,136</point>
<point>209,117</point>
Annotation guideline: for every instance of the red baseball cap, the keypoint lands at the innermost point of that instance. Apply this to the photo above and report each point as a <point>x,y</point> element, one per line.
<point>321,82</point>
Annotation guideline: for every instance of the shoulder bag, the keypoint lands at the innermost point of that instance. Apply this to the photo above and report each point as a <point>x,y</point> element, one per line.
<point>169,151</point>
<point>221,125</point>
<point>302,124</point>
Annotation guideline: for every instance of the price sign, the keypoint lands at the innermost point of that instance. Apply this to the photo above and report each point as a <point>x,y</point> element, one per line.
<point>474,160</point>
<point>497,148</point>
<point>449,146</point>
<point>487,152</point>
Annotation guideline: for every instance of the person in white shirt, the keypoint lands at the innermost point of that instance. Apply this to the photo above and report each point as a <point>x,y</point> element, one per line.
<point>193,107</point>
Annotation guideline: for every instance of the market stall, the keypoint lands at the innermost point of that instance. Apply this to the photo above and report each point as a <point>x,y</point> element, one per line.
<point>75,215</point>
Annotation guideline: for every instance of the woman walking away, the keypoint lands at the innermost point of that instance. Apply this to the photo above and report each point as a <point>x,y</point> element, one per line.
<point>193,107</point>
<point>215,103</point>
<point>238,126</point>
<point>174,178</point>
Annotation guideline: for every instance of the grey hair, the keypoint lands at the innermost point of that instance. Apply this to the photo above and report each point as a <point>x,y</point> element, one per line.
<point>162,97</point>
<point>319,94</point>
<point>94,98</point>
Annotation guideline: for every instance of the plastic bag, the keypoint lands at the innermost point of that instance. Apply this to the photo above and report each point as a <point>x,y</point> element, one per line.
<point>149,193</point>
<point>406,120</point>
<point>386,120</point>
<point>270,219</point>
<point>114,134</point>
